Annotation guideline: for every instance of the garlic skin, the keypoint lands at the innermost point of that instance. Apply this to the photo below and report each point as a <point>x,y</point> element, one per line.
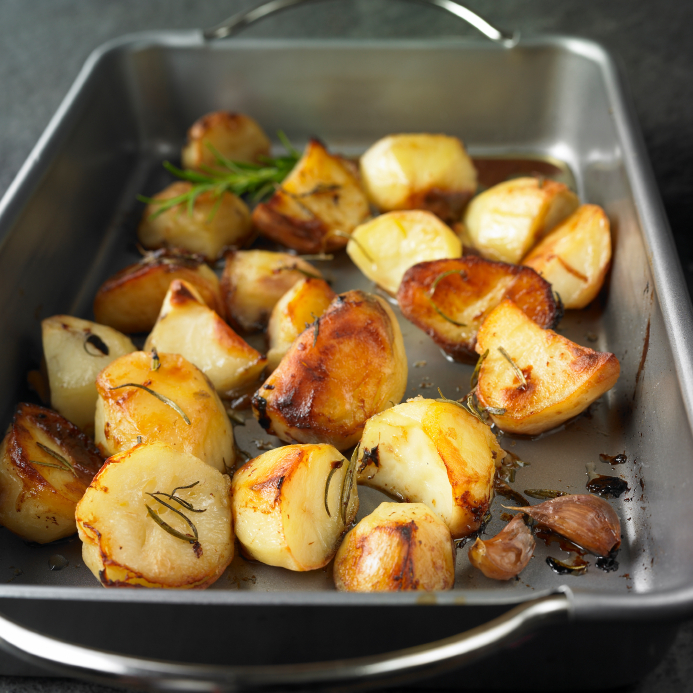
<point>505,555</point>
<point>588,521</point>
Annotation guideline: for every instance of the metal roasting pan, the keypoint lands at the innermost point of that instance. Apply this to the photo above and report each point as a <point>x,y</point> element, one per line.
<point>69,220</point>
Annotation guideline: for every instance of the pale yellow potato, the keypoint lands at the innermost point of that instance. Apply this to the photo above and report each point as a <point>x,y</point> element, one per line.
<point>186,326</point>
<point>305,301</point>
<point>254,280</point>
<point>505,221</point>
<point>75,351</point>
<point>38,491</point>
<point>215,223</point>
<point>282,512</point>
<point>123,545</point>
<point>387,246</point>
<point>422,171</point>
<point>436,453</point>
<point>125,413</point>
<point>398,547</point>
<point>561,378</point>
<point>575,256</point>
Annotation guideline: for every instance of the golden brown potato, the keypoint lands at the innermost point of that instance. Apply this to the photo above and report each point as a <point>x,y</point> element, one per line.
<point>186,326</point>
<point>305,301</point>
<point>292,505</point>
<point>505,221</point>
<point>190,418</point>
<point>543,379</point>
<point>46,464</point>
<point>75,351</point>
<point>215,223</point>
<point>233,135</point>
<point>348,367</point>
<point>386,247</point>
<point>450,299</point>
<point>398,547</point>
<point>575,256</point>
<point>436,453</point>
<point>253,282</point>
<point>156,517</point>
<point>131,299</point>
<point>321,196</point>
<point>431,172</point>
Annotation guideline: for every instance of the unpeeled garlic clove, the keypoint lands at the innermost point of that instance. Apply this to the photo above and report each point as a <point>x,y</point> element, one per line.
<point>505,555</point>
<point>588,521</point>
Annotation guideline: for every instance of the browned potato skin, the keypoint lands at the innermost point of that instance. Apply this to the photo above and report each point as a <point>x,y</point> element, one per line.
<point>327,386</point>
<point>131,299</point>
<point>51,510</point>
<point>485,284</point>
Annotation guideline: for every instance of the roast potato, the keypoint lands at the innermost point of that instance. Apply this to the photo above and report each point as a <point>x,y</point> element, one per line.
<point>398,547</point>
<point>347,367</point>
<point>46,464</point>
<point>292,505</point>
<point>132,520</point>
<point>543,379</point>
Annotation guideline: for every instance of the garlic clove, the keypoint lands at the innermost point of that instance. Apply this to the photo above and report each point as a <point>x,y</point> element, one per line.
<point>505,555</point>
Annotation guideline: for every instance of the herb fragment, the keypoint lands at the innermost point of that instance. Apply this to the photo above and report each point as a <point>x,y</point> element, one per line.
<point>159,396</point>
<point>543,493</point>
<point>295,268</point>
<point>64,463</point>
<point>432,291</point>
<point>515,367</point>
<point>156,361</point>
<point>316,332</point>
<point>335,466</point>
<point>475,375</point>
<point>348,482</point>
<point>98,344</point>
<point>358,244</point>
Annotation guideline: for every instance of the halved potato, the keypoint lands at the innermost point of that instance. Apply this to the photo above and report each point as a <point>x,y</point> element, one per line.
<point>575,256</point>
<point>46,464</point>
<point>387,246</point>
<point>234,135</point>
<point>436,453</point>
<point>216,222</point>
<point>75,351</point>
<point>398,547</point>
<point>321,198</point>
<point>189,418</point>
<point>422,171</point>
<point>450,299</point>
<point>186,326</point>
<point>292,505</point>
<point>132,520</point>
<point>559,378</point>
<point>505,221</point>
<point>253,282</point>
<point>303,303</point>
<point>131,299</point>
<point>347,367</point>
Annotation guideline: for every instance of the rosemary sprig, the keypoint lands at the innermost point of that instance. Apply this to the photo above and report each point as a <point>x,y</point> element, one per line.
<point>348,482</point>
<point>335,466</point>
<point>432,291</point>
<point>156,361</point>
<point>305,273</point>
<point>477,369</point>
<point>359,245</point>
<point>65,464</point>
<point>516,368</point>
<point>97,343</point>
<point>159,396</point>
<point>543,493</point>
<point>189,538</point>
<point>316,323</point>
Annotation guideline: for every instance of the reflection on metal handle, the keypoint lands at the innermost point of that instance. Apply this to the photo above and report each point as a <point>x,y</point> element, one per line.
<point>157,675</point>
<point>241,20</point>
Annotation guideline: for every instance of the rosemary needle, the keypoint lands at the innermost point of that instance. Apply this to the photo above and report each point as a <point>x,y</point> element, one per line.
<point>159,396</point>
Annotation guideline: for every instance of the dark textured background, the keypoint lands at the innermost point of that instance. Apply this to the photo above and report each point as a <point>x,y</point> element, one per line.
<point>43,44</point>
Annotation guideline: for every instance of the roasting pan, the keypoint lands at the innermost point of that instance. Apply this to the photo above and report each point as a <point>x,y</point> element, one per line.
<point>68,221</point>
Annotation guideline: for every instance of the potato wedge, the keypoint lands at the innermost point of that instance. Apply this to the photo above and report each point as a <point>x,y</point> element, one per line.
<point>254,280</point>
<point>561,378</point>
<point>292,505</point>
<point>233,135</point>
<point>422,171</point>
<point>575,256</point>
<point>505,221</point>
<point>186,326</point>
<point>131,299</point>
<point>397,548</point>
<point>450,299</point>
<point>134,529</point>
<point>75,351</point>
<point>386,247</point>
<point>305,301</point>
<point>432,452</point>
<point>347,367</point>
<point>46,464</point>
<point>215,223</point>
<point>320,198</point>
<point>190,418</point>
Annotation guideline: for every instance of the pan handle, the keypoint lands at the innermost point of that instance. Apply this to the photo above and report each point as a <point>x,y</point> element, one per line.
<point>241,20</point>
<point>392,667</point>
